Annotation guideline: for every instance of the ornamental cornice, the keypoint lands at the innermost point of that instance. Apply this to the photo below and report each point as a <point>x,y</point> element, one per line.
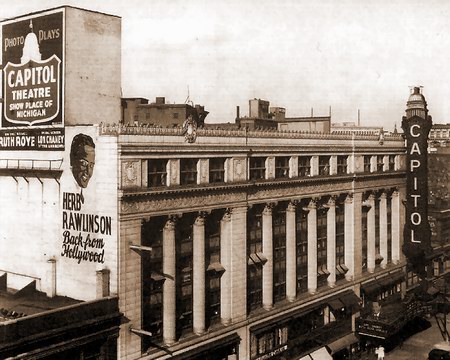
<point>207,197</point>
<point>125,129</point>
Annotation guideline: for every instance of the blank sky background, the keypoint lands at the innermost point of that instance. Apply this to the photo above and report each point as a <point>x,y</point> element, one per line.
<point>300,55</point>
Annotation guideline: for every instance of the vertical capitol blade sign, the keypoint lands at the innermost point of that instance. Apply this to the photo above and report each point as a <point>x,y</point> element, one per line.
<point>32,52</point>
<point>416,126</point>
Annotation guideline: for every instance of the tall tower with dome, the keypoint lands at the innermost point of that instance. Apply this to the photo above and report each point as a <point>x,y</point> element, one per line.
<point>417,234</point>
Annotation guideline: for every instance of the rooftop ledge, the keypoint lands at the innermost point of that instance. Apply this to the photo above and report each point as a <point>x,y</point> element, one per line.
<point>120,129</point>
<point>31,167</point>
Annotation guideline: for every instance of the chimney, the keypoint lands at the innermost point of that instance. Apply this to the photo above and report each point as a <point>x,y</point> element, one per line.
<point>237,112</point>
<point>160,100</point>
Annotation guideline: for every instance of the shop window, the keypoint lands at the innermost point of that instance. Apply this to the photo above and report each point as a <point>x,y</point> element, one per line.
<point>302,250</point>
<point>324,165</point>
<point>322,272</point>
<point>157,172</point>
<point>269,342</point>
<point>282,167</point>
<point>391,162</point>
<point>255,258</point>
<point>367,163</point>
<point>257,168</point>
<point>217,170</point>
<point>188,171</point>
<point>304,166</point>
<point>380,163</point>
<point>279,254</point>
<point>342,164</point>
<point>411,279</point>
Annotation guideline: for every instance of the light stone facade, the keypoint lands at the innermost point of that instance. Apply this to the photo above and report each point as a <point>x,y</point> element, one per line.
<point>348,192</point>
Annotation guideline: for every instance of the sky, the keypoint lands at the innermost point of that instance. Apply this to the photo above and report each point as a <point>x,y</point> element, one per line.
<point>300,55</point>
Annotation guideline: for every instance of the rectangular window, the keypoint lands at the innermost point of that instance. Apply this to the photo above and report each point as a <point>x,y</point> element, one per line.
<point>188,171</point>
<point>152,279</point>
<point>342,164</point>
<point>302,250</point>
<point>217,170</point>
<point>340,243</point>
<point>391,162</point>
<point>304,166</point>
<point>175,115</point>
<point>264,344</point>
<point>324,165</point>
<point>322,271</point>
<point>367,163</point>
<point>184,234</point>
<point>214,268</point>
<point>157,172</point>
<point>377,234</point>
<point>364,238</point>
<point>380,163</point>
<point>282,167</point>
<point>279,254</point>
<point>257,168</point>
<point>255,260</point>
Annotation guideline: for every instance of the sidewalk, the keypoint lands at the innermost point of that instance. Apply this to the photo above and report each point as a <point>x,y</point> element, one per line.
<point>418,346</point>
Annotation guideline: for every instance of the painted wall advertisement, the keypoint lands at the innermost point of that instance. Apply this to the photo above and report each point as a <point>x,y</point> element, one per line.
<point>83,231</point>
<point>33,58</point>
<point>87,234</point>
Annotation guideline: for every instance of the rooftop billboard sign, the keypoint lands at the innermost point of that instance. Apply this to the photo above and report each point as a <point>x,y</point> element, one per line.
<point>33,76</point>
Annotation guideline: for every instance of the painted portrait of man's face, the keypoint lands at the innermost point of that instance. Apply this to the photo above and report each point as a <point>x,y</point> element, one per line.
<point>82,159</point>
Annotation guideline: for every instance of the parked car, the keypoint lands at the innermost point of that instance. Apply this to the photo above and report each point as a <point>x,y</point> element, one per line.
<point>438,354</point>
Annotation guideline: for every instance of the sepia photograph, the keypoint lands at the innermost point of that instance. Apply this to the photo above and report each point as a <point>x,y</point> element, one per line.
<point>224,180</point>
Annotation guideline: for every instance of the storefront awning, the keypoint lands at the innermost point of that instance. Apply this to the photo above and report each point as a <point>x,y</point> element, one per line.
<point>342,343</point>
<point>320,354</point>
<point>347,299</point>
<point>383,282</point>
<point>350,300</point>
<point>336,304</point>
<point>210,347</point>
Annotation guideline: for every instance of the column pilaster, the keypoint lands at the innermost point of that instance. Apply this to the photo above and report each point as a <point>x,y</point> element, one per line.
<point>169,289</point>
<point>267,247</point>
<point>238,264</point>
<point>371,234</point>
<point>199,275</point>
<point>352,235</point>
<point>395,226</point>
<point>291,253</point>
<point>225,260</point>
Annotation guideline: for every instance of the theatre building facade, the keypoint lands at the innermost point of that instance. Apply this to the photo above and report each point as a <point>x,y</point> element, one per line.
<point>239,244</point>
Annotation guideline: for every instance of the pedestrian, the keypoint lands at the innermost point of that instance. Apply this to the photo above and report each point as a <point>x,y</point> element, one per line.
<point>380,352</point>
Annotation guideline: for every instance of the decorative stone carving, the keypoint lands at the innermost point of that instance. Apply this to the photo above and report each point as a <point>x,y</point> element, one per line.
<point>190,129</point>
<point>131,174</point>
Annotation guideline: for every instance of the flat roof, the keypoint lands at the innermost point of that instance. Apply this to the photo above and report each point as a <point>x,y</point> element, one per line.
<point>56,8</point>
<point>15,305</point>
